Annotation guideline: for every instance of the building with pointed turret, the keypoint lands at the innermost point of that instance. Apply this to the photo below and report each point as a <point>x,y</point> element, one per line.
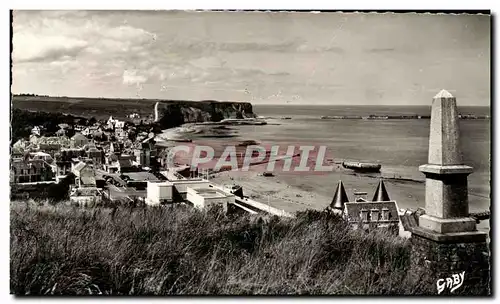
<point>381,194</point>
<point>380,213</point>
<point>339,199</point>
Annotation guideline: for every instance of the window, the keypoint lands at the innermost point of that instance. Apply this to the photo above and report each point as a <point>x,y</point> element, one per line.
<point>364,215</point>
<point>375,215</point>
<point>385,214</point>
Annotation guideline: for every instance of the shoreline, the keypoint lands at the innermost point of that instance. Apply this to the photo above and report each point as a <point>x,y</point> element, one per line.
<point>291,193</point>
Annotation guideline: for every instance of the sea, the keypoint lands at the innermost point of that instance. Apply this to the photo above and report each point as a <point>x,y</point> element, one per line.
<point>400,146</point>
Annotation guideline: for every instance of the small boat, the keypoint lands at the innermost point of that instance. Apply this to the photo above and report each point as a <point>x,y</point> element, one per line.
<point>286,117</point>
<point>362,167</point>
<point>180,140</point>
<point>247,143</point>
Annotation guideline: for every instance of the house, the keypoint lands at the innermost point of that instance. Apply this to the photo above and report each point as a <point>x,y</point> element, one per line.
<point>159,193</point>
<point>79,128</point>
<point>339,200</point>
<point>64,126</point>
<point>65,159</point>
<point>52,144</point>
<point>91,130</point>
<point>21,144</point>
<point>43,156</point>
<point>120,164</point>
<point>203,197</point>
<point>78,140</point>
<point>119,124</point>
<point>85,197</point>
<point>98,135</point>
<point>36,130</point>
<point>145,153</point>
<point>86,131</point>
<point>371,215</point>
<point>94,154</point>
<point>116,147</point>
<point>381,212</point>
<point>61,132</point>
<point>84,175</point>
<point>24,170</point>
<point>16,152</point>
<point>49,148</point>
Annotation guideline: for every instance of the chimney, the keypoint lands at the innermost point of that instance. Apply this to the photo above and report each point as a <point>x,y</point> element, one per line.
<point>339,198</point>
<point>381,194</point>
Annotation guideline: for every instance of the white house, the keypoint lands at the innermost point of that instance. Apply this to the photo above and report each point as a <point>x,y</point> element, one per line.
<point>36,131</point>
<point>159,192</point>
<point>202,198</point>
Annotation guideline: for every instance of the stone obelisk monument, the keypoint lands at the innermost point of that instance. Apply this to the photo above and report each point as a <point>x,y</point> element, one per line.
<point>446,239</point>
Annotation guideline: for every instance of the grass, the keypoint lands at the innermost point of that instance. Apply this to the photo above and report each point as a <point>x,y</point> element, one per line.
<point>60,250</point>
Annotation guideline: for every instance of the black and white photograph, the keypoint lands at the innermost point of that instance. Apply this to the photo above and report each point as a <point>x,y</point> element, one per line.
<point>248,153</point>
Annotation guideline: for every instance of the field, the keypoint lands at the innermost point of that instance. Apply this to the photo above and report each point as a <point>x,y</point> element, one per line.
<point>99,108</point>
<point>59,250</point>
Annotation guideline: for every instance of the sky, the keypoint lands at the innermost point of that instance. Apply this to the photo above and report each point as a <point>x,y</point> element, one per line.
<point>264,58</point>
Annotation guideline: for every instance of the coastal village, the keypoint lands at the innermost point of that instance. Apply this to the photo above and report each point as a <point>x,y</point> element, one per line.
<point>101,165</point>
<point>120,162</point>
<point>110,163</point>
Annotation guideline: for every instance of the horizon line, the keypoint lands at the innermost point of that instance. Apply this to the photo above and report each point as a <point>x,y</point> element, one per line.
<point>265,103</point>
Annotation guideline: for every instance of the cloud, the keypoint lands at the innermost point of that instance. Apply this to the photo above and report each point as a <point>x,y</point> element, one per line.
<point>31,47</point>
<point>49,36</point>
<point>130,77</point>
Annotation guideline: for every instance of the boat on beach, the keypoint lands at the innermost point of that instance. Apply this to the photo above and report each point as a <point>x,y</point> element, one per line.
<point>362,167</point>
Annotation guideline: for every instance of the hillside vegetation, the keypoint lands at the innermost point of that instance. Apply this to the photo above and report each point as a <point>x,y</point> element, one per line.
<point>60,250</point>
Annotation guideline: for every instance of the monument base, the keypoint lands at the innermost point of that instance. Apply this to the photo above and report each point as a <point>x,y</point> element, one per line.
<point>450,225</point>
<point>463,262</point>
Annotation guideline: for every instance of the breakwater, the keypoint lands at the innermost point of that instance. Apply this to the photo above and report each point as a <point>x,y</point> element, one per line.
<point>386,117</point>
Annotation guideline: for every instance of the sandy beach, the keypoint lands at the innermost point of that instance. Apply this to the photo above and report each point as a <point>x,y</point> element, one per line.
<point>293,192</point>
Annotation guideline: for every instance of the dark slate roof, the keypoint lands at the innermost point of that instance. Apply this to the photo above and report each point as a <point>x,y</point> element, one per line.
<point>125,163</point>
<point>20,163</point>
<point>113,157</point>
<point>381,194</point>
<point>340,197</point>
<point>352,210</point>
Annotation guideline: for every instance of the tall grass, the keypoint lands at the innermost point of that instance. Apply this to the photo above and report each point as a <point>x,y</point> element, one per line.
<point>60,250</point>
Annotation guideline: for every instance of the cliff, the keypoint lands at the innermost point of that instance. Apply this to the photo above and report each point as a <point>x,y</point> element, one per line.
<point>173,113</point>
<point>168,113</point>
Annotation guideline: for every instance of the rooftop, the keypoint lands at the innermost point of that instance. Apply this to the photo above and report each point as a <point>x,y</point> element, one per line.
<point>210,192</point>
<point>141,176</point>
